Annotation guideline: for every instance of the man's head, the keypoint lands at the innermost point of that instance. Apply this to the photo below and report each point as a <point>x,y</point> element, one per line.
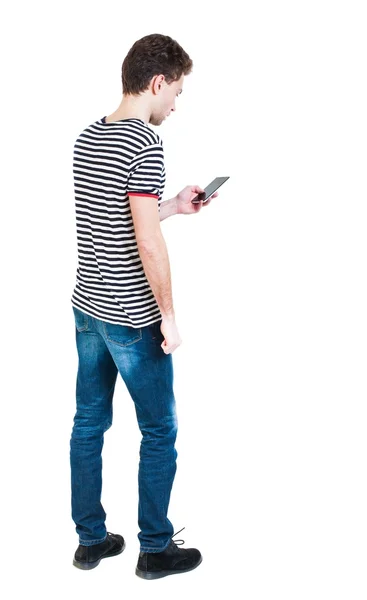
<point>155,67</point>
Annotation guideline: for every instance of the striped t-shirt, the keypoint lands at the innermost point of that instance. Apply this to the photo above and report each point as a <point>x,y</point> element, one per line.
<point>110,162</point>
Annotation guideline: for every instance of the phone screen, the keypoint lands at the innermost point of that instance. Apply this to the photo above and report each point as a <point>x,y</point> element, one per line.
<point>210,189</point>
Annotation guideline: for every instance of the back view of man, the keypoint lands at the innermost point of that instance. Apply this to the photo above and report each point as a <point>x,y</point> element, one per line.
<point>123,307</point>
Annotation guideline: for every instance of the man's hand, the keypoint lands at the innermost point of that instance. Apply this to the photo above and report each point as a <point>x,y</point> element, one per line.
<point>172,338</point>
<point>183,200</point>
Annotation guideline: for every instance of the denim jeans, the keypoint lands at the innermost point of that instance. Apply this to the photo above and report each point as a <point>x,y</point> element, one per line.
<point>104,349</point>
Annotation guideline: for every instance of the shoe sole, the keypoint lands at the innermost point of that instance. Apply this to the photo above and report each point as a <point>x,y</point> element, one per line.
<point>86,566</point>
<point>159,574</point>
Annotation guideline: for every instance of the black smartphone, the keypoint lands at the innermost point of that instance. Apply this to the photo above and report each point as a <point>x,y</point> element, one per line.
<point>209,190</point>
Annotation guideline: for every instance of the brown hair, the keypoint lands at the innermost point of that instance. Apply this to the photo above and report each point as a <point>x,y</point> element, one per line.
<point>153,54</point>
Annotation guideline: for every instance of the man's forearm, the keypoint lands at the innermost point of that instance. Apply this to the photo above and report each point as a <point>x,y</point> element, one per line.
<point>154,256</point>
<point>168,208</point>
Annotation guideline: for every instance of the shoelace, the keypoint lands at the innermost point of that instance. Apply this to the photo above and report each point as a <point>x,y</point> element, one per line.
<point>177,542</point>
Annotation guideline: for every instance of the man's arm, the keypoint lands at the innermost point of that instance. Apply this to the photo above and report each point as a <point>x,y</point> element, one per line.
<point>168,208</point>
<point>153,250</point>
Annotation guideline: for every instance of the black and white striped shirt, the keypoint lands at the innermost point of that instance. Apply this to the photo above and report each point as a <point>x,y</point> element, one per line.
<point>110,162</point>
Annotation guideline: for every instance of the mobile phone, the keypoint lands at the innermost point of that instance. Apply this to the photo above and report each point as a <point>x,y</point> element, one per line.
<point>209,190</point>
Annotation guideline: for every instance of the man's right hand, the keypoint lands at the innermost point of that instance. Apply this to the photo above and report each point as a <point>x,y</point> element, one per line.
<point>172,338</point>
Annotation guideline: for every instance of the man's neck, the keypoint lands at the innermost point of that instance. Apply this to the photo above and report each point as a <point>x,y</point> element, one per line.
<point>130,108</point>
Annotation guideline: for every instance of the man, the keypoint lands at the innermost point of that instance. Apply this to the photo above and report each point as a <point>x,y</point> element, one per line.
<point>123,307</point>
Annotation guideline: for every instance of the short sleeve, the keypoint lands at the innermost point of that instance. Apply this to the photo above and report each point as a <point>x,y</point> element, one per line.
<point>147,172</point>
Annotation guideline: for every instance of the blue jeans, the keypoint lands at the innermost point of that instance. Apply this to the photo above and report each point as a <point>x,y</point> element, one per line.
<point>104,349</point>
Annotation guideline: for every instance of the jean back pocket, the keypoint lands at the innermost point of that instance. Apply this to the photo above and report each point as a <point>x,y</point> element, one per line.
<point>124,335</point>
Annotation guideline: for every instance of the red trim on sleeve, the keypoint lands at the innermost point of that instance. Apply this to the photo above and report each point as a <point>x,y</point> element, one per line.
<point>139,194</point>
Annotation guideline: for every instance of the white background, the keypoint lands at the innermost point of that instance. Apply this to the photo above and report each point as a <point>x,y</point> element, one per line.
<point>269,286</point>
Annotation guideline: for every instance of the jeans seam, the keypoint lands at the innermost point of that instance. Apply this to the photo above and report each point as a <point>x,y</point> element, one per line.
<point>143,549</point>
<point>92,542</point>
<point>79,327</point>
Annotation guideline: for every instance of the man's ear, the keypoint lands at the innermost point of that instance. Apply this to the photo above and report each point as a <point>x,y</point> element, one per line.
<point>157,83</point>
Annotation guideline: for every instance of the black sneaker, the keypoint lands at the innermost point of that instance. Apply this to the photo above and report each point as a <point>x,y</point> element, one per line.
<point>153,565</point>
<point>88,557</point>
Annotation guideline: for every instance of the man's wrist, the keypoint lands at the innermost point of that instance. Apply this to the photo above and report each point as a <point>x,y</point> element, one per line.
<point>168,208</point>
<point>168,316</point>
<point>174,205</point>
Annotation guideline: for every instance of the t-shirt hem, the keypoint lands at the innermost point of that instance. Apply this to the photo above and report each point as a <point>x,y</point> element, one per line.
<point>142,194</point>
<point>113,322</point>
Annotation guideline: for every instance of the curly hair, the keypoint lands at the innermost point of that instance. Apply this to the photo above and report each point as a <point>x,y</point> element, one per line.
<point>153,54</point>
